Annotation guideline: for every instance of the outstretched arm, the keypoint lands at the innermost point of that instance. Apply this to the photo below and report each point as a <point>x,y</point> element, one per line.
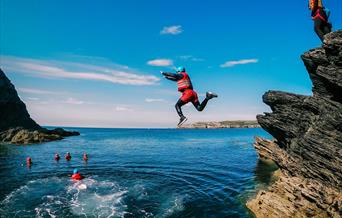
<point>172,76</point>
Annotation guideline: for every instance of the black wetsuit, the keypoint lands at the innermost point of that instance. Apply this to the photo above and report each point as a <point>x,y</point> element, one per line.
<point>321,24</point>
<point>199,106</point>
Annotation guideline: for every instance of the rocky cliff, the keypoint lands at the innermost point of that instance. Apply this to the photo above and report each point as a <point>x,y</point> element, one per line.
<point>308,141</point>
<point>16,125</point>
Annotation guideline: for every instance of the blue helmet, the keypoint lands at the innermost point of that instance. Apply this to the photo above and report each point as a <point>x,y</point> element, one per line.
<point>180,69</point>
<point>75,171</point>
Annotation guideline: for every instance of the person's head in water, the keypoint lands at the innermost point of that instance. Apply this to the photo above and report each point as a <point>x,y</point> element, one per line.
<point>76,175</point>
<point>57,157</point>
<point>29,160</point>
<point>85,156</point>
<point>180,69</point>
<point>75,171</point>
<point>68,156</point>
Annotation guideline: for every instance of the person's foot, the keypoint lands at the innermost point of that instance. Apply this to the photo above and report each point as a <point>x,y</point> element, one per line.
<point>182,120</point>
<point>211,95</point>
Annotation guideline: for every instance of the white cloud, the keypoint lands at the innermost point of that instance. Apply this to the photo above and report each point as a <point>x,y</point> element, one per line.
<point>123,109</point>
<point>37,91</point>
<point>73,101</point>
<point>172,30</point>
<point>75,70</point>
<point>160,62</point>
<point>33,99</point>
<point>239,62</point>
<point>190,58</point>
<point>151,100</point>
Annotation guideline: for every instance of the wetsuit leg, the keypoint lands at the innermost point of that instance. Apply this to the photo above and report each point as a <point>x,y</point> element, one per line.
<point>326,28</point>
<point>201,106</point>
<point>178,106</point>
<point>318,25</point>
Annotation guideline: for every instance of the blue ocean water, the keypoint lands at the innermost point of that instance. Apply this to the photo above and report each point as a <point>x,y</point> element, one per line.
<point>134,173</point>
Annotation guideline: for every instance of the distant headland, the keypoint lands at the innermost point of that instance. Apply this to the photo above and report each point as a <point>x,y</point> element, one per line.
<point>222,124</point>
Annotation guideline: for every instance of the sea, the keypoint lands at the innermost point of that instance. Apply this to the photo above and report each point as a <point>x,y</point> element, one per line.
<point>135,173</point>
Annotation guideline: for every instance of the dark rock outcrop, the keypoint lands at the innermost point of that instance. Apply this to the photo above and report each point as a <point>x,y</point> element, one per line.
<point>13,111</point>
<point>308,141</point>
<point>16,125</point>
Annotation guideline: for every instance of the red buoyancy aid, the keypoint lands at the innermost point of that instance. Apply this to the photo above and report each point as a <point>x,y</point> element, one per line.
<point>316,7</point>
<point>67,157</point>
<point>319,15</point>
<point>77,176</point>
<point>312,4</point>
<point>184,83</point>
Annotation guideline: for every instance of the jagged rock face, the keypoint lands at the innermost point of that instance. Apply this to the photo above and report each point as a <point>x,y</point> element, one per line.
<point>309,128</point>
<point>13,111</point>
<point>308,141</point>
<point>324,66</point>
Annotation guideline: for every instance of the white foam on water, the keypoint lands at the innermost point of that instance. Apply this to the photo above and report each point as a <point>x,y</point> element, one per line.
<point>90,197</point>
<point>99,198</point>
<point>17,203</point>
<point>138,191</point>
<point>82,187</point>
<point>171,206</point>
<point>58,197</point>
<point>146,214</point>
<point>52,206</point>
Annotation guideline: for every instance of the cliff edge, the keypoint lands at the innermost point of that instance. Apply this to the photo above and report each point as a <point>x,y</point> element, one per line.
<point>16,125</point>
<point>308,141</point>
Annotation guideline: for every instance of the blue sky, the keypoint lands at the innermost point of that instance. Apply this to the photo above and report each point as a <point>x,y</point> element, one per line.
<point>97,63</point>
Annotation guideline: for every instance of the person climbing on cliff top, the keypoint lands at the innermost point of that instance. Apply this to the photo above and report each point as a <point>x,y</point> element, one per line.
<point>188,93</point>
<point>320,16</point>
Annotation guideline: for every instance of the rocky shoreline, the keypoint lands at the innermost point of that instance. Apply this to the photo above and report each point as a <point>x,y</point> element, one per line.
<point>16,125</point>
<point>20,135</point>
<point>222,124</point>
<point>308,141</point>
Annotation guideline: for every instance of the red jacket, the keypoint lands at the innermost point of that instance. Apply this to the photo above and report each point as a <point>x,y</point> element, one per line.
<point>77,176</point>
<point>184,83</point>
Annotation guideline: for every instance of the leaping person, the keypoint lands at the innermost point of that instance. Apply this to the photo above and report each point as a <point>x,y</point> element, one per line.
<point>188,93</point>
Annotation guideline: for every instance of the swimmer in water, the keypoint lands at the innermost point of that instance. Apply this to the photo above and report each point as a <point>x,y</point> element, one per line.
<point>68,156</point>
<point>28,161</point>
<point>85,157</point>
<point>57,157</point>
<point>76,175</point>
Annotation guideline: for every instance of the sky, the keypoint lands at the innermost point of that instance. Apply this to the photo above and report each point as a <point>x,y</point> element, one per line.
<point>97,63</point>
